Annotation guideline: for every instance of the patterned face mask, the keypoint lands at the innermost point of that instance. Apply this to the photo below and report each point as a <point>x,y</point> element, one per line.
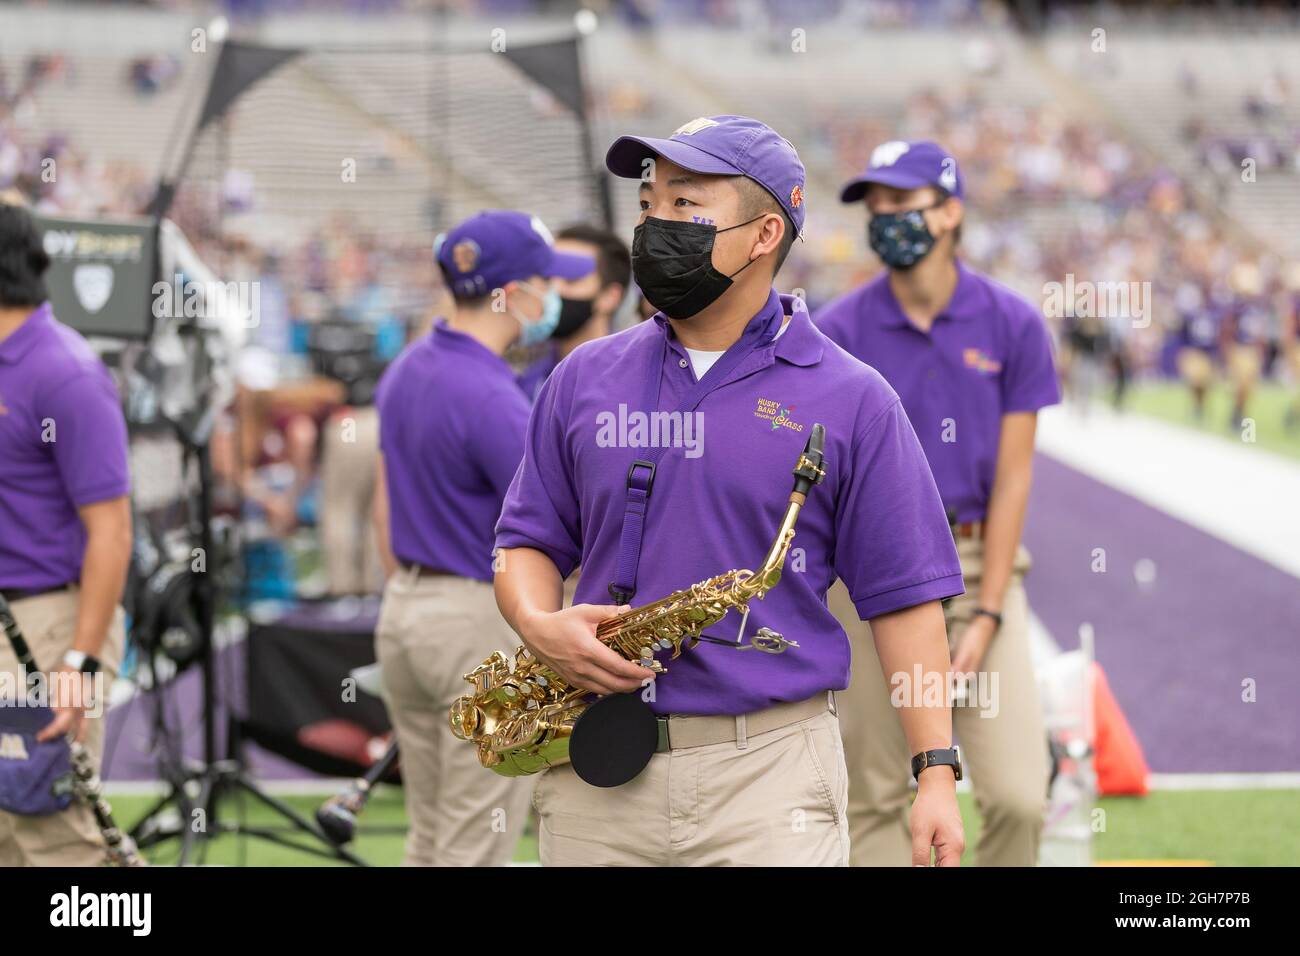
<point>901,239</point>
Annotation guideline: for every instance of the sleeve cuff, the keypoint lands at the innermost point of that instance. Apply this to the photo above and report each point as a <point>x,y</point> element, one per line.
<point>94,496</point>
<point>913,594</point>
<point>564,561</point>
<point>1031,405</point>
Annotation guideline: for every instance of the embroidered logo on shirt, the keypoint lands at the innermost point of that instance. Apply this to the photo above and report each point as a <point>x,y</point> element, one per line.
<point>777,414</point>
<point>981,361</point>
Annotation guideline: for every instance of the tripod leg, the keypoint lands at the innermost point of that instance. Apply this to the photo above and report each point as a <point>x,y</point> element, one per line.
<point>298,820</point>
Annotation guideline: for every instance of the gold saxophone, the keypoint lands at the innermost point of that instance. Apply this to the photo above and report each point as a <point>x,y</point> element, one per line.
<point>521,717</point>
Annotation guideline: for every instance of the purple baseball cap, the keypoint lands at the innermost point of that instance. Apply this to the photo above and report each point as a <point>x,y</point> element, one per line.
<point>907,166</point>
<point>722,146</point>
<point>498,246</point>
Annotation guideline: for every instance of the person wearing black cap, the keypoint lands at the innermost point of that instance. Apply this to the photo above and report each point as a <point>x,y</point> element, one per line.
<point>451,433</point>
<point>972,363</point>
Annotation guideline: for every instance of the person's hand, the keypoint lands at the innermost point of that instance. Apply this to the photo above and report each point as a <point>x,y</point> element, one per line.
<point>973,643</point>
<point>566,642</point>
<point>936,820</point>
<point>68,704</point>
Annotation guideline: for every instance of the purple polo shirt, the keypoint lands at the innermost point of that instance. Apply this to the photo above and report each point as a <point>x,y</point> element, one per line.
<point>62,447</point>
<point>987,354</point>
<point>451,426</point>
<point>876,520</point>
<point>531,378</point>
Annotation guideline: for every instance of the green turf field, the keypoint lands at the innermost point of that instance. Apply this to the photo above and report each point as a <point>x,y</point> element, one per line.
<point>1171,402</point>
<point>1221,827</point>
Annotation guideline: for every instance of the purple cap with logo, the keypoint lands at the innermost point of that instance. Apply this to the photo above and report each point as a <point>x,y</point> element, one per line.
<point>722,146</point>
<point>907,166</point>
<point>498,246</point>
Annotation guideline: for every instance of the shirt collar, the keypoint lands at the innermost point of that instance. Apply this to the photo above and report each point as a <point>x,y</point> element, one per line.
<point>960,308</point>
<point>26,335</point>
<point>800,344</point>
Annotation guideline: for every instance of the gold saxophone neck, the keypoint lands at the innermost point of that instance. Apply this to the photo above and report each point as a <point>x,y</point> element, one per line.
<point>808,471</point>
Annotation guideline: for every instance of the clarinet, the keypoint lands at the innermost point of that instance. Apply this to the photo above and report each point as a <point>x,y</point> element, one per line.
<point>86,784</point>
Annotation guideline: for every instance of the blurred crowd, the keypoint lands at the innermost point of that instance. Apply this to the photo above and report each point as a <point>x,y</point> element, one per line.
<point>54,172</point>
<point>1049,196</point>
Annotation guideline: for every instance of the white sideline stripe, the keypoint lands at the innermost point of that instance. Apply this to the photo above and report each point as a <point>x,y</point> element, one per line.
<point>1240,493</point>
<point>1225,781</point>
<point>1158,781</point>
<point>325,787</point>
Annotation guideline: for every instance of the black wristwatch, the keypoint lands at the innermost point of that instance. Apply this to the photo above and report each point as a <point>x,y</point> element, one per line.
<point>951,757</point>
<point>997,618</point>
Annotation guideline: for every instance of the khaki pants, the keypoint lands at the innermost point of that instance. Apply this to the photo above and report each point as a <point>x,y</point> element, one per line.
<point>774,799</point>
<point>1244,363</point>
<point>1195,366</point>
<point>70,838</point>
<point>349,449</point>
<point>1005,755</point>
<point>432,631</point>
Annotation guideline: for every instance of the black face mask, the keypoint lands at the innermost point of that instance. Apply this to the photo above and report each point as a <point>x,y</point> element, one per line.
<point>574,313</point>
<point>672,262</point>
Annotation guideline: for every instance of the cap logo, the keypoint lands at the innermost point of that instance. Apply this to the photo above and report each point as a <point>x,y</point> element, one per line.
<point>539,227</point>
<point>886,154</point>
<point>948,178</point>
<point>796,197</point>
<point>464,255</point>
<point>695,125</point>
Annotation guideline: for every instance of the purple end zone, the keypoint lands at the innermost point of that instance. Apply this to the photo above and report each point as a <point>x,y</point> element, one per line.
<point>1176,651</point>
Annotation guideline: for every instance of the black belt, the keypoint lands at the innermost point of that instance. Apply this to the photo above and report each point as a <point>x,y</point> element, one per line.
<point>21,594</point>
<point>424,571</point>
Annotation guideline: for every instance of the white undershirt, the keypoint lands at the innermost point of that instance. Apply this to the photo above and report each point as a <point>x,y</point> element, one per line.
<point>702,361</point>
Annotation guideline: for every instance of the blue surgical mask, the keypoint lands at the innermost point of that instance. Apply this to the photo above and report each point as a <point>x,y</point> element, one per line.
<point>538,331</point>
<point>901,239</point>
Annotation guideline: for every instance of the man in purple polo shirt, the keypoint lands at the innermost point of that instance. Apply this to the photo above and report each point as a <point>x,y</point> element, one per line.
<point>750,769</point>
<point>65,525</point>
<point>972,363</point>
<point>451,433</point>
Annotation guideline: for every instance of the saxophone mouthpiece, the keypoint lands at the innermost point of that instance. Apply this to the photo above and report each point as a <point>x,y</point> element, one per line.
<point>809,471</point>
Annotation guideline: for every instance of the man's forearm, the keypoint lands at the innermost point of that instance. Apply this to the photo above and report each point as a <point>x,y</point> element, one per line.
<point>103,576</point>
<point>1004,519</point>
<point>905,639</point>
<point>527,584</point>
<point>379,515</point>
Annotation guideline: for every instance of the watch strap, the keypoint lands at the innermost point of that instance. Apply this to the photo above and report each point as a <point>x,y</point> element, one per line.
<point>81,661</point>
<point>947,757</point>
